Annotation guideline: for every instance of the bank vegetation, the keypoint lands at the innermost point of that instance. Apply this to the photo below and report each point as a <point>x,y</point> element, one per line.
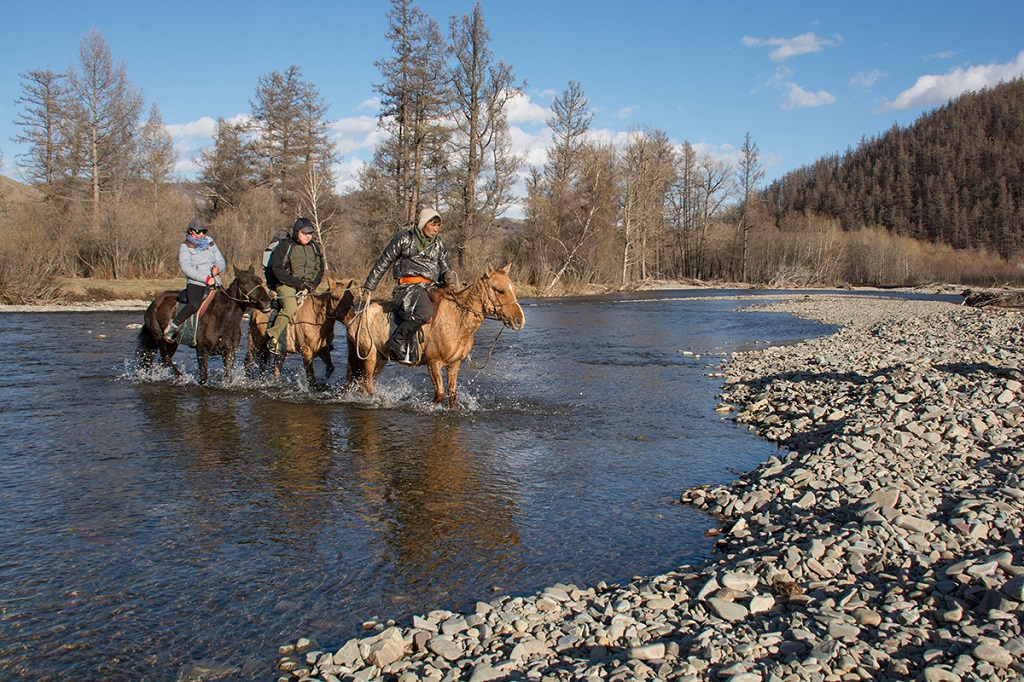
<point>102,201</point>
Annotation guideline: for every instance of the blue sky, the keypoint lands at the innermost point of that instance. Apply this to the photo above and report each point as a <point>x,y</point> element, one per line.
<point>804,78</point>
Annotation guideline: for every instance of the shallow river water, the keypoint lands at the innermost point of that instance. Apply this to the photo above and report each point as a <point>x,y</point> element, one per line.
<point>154,528</point>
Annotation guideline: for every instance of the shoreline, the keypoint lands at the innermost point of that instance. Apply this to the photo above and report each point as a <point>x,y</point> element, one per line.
<point>134,304</point>
<point>883,542</point>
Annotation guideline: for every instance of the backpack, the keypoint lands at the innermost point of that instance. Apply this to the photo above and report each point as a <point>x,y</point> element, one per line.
<point>268,274</point>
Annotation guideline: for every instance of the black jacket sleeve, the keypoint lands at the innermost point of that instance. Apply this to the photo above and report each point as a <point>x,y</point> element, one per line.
<point>278,264</point>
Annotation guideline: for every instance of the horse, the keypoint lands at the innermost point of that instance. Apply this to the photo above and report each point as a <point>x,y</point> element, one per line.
<point>219,329</point>
<point>447,338</point>
<point>310,333</point>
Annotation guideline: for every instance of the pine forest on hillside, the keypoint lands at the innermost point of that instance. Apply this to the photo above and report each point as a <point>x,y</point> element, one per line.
<point>956,177</point>
<point>938,201</point>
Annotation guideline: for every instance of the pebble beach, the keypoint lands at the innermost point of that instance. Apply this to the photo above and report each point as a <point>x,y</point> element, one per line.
<point>882,542</point>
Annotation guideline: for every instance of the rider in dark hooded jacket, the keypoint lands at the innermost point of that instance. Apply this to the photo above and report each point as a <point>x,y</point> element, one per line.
<point>295,265</point>
<point>419,259</point>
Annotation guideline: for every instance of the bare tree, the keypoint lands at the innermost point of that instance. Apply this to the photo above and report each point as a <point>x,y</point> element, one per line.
<point>228,168</point>
<point>316,191</point>
<point>43,122</point>
<point>482,166</point>
<point>290,126</point>
<point>649,171</point>
<point>156,153</point>
<point>749,174</point>
<point>414,100</point>
<point>109,107</point>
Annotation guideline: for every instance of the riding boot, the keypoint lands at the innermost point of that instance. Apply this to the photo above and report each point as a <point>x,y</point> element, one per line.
<point>399,346</point>
<point>170,331</point>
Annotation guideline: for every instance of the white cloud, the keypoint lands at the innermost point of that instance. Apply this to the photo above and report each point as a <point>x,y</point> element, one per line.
<point>798,98</point>
<point>947,54</point>
<point>355,133</point>
<point>866,79</point>
<point>521,109</point>
<point>785,48</point>
<point>931,90</point>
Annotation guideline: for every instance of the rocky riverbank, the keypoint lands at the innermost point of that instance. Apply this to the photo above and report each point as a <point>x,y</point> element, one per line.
<point>882,543</point>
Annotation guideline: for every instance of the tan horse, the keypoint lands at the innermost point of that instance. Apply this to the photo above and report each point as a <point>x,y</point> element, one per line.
<point>310,333</point>
<point>447,338</point>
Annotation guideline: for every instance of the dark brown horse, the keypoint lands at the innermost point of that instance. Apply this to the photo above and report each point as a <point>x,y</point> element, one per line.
<point>220,326</point>
<point>447,338</point>
<point>310,333</point>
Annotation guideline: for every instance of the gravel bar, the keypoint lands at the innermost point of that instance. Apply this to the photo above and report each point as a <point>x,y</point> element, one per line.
<point>883,542</point>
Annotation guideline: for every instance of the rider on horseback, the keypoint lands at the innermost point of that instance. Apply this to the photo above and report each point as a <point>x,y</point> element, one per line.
<point>295,266</point>
<point>420,261</point>
<point>201,262</point>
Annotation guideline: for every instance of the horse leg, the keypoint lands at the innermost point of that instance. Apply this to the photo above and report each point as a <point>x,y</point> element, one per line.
<point>307,364</point>
<point>437,379</point>
<point>229,361</point>
<point>167,351</point>
<point>325,355</point>
<point>203,360</point>
<point>453,376</point>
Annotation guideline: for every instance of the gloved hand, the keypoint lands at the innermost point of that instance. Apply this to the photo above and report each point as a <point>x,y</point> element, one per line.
<point>307,286</point>
<point>210,281</point>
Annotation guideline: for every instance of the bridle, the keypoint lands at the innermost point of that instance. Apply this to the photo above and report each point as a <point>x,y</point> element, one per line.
<point>246,299</point>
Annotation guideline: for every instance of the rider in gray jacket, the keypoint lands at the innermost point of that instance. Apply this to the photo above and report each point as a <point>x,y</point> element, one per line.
<point>201,262</point>
<point>419,260</point>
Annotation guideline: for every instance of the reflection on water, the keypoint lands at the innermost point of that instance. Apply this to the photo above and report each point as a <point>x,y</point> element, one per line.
<point>152,524</point>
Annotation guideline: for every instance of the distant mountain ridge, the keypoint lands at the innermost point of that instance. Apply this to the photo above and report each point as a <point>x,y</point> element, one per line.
<point>14,190</point>
<point>955,176</point>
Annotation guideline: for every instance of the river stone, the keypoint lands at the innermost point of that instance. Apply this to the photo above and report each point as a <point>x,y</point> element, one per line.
<point>650,652</point>
<point>736,580</point>
<point>994,654</point>
<point>445,647</point>
<point>727,610</point>
<point>912,523</point>
<point>485,673</point>
<point>938,673</point>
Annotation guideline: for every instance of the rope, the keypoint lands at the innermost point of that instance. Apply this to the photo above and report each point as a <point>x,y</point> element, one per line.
<point>469,360</point>
<point>361,326</point>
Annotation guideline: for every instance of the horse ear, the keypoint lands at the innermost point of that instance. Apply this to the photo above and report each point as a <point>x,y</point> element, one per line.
<point>505,269</point>
<point>489,271</point>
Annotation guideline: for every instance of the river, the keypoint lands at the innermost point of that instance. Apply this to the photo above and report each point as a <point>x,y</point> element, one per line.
<point>156,529</point>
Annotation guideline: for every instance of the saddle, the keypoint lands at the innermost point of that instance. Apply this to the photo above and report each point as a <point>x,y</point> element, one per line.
<point>412,351</point>
<point>186,334</point>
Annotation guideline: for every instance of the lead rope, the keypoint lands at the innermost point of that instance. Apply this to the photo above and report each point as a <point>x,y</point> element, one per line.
<point>469,360</point>
<point>361,326</point>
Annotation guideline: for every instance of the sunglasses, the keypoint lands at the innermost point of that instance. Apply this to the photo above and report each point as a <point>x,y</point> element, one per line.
<point>199,231</point>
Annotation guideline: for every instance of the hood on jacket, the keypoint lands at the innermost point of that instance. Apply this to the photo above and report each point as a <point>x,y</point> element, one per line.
<point>302,225</point>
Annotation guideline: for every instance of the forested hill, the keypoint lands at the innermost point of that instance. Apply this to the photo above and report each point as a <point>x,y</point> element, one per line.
<point>955,176</point>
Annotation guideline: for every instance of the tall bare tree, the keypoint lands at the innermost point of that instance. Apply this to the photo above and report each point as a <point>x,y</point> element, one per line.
<point>228,167</point>
<point>649,171</point>
<point>109,108</point>
<point>414,100</point>
<point>749,174</point>
<point>43,121</point>
<point>291,131</point>
<point>552,193</point>
<point>482,166</point>
<point>156,153</point>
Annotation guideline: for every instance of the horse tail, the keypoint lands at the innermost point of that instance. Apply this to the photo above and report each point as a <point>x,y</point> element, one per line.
<point>146,346</point>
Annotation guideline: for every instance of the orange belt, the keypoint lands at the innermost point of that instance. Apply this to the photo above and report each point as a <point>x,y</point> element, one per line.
<point>415,279</point>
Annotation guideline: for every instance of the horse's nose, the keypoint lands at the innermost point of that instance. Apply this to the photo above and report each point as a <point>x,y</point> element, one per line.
<point>518,322</point>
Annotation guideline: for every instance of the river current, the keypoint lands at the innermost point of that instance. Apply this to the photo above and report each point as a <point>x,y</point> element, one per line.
<point>155,529</point>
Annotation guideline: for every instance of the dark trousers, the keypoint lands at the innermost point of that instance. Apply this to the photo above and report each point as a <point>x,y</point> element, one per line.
<point>195,293</point>
<point>419,309</point>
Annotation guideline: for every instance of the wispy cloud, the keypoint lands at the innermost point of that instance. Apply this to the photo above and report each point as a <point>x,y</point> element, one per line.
<point>625,112</point>
<point>865,79</point>
<point>946,54</point>
<point>931,90</point>
<point>785,48</point>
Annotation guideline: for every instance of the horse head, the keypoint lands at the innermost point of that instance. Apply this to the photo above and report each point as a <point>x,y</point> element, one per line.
<point>250,290</point>
<point>342,299</point>
<point>500,299</point>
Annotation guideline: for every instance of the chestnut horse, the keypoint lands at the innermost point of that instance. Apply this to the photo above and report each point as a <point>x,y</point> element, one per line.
<point>220,326</point>
<point>310,333</point>
<point>447,338</point>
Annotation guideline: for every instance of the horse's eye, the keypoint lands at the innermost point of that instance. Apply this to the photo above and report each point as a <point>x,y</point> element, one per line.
<point>499,291</point>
